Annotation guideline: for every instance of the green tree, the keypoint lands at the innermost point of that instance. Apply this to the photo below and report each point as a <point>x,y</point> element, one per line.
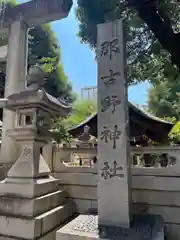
<point>44,50</point>
<point>162,18</point>
<point>174,135</point>
<point>82,109</point>
<point>163,100</point>
<point>146,59</point>
<point>60,132</point>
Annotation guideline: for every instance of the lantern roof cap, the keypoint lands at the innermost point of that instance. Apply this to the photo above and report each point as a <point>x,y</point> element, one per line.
<point>34,96</point>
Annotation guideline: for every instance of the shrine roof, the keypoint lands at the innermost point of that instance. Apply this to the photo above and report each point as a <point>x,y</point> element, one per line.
<point>147,114</point>
<point>134,107</point>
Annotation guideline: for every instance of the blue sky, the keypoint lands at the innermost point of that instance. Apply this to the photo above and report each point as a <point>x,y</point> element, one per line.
<point>78,59</point>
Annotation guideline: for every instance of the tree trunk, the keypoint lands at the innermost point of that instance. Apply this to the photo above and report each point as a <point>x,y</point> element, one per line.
<point>159,24</point>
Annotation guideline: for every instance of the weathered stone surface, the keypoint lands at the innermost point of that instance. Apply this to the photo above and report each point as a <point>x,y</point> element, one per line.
<point>17,20</point>
<point>29,166</point>
<point>114,184</point>
<point>34,227</point>
<point>36,12</point>
<point>82,192</point>
<point>30,204</point>
<point>31,207</point>
<point>20,228</point>
<point>56,216</point>
<point>48,151</point>
<point>49,236</point>
<point>86,226</point>
<point>28,188</point>
<point>16,70</point>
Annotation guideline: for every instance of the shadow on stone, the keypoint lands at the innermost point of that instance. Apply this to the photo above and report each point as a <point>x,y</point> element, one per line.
<point>144,227</point>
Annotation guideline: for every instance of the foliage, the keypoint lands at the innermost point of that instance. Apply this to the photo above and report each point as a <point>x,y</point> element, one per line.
<point>163,100</point>
<point>172,120</point>
<point>60,132</point>
<point>174,135</point>
<point>146,60</point>
<point>43,49</point>
<point>82,109</point>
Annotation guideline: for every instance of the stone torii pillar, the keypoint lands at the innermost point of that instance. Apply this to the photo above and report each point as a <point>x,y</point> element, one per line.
<point>17,20</point>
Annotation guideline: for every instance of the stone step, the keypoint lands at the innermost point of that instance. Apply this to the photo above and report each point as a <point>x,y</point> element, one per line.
<point>31,229</point>
<point>28,188</point>
<point>49,201</point>
<point>56,216</point>
<point>31,207</point>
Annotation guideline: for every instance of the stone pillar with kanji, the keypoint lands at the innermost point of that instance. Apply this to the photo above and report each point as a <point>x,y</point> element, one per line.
<point>114,182</point>
<point>113,217</point>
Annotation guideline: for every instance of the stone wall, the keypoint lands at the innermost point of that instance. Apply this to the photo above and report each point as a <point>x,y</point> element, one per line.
<point>154,190</point>
<point>156,194</point>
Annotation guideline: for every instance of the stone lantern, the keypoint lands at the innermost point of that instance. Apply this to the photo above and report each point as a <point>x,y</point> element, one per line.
<point>31,204</point>
<point>34,110</point>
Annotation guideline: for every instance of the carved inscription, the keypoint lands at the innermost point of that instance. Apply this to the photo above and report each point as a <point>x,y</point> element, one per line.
<point>27,151</point>
<point>111,78</point>
<point>110,101</point>
<point>110,171</point>
<point>108,48</point>
<point>108,135</point>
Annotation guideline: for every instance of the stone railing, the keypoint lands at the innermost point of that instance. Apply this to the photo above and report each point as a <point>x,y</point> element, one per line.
<point>163,160</point>
<point>74,157</point>
<point>154,156</point>
<point>141,157</point>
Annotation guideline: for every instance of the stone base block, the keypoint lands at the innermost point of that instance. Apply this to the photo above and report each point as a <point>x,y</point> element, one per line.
<point>31,207</point>
<point>33,228</point>
<point>48,236</point>
<point>29,188</point>
<point>144,227</point>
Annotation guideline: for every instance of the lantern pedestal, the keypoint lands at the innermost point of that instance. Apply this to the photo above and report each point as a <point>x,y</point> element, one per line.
<point>31,163</point>
<point>31,203</point>
<point>32,208</point>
